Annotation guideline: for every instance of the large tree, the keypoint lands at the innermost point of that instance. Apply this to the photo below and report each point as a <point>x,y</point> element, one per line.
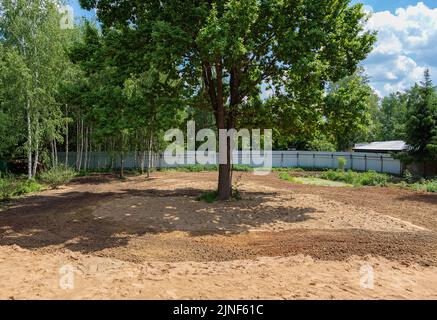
<point>421,126</point>
<point>393,116</point>
<point>31,36</point>
<point>231,48</point>
<point>348,111</point>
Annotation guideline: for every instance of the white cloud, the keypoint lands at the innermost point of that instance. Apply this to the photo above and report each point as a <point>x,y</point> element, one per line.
<point>405,48</point>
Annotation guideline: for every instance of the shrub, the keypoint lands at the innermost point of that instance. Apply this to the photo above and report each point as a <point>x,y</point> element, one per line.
<point>341,163</point>
<point>27,186</point>
<point>369,178</point>
<point>372,178</point>
<point>208,197</point>
<point>291,169</point>
<point>12,187</point>
<point>7,189</point>
<point>408,176</point>
<point>242,168</point>
<point>431,186</point>
<point>426,186</point>
<point>57,176</point>
<point>321,143</point>
<point>285,176</point>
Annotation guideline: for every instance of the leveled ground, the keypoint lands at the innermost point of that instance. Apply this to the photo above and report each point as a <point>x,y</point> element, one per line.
<point>151,239</point>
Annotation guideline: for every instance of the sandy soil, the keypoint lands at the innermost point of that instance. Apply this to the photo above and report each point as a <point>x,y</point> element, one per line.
<point>104,238</point>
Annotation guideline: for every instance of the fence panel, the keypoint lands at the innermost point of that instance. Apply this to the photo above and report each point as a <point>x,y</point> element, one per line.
<point>380,162</point>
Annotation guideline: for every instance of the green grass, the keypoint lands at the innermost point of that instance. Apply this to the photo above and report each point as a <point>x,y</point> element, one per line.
<point>14,187</point>
<point>201,168</point>
<point>313,181</point>
<point>424,186</point>
<point>191,168</point>
<point>321,182</point>
<point>237,168</point>
<point>369,178</point>
<point>212,196</point>
<point>88,172</point>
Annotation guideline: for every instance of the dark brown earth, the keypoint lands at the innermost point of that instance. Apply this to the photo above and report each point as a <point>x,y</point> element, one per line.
<point>66,220</point>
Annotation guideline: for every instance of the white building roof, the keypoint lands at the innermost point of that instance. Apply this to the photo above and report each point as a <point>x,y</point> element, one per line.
<point>382,146</point>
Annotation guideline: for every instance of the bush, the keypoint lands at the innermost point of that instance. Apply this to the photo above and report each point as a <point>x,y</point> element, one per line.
<point>321,143</point>
<point>12,187</point>
<point>408,176</point>
<point>208,197</point>
<point>57,176</point>
<point>426,186</point>
<point>242,168</point>
<point>7,189</point>
<point>372,178</point>
<point>285,176</point>
<point>341,163</point>
<point>369,178</point>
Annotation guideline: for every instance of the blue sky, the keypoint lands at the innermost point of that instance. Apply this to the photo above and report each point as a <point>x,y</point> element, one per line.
<point>78,11</point>
<point>407,42</point>
<point>392,5</point>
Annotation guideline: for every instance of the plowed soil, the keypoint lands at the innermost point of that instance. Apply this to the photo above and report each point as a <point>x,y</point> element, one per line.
<point>150,238</point>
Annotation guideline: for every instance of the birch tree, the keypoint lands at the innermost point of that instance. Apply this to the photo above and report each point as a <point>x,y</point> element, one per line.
<point>31,33</point>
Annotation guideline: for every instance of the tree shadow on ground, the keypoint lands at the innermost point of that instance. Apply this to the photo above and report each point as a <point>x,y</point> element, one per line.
<point>92,221</point>
<point>421,197</point>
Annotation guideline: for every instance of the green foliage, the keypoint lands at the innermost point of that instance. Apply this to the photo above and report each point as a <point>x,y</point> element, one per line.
<point>347,110</point>
<point>424,186</point>
<point>288,169</point>
<point>341,163</point>
<point>286,176</point>
<point>431,147</point>
<point>11,187</point>
<point>408,176</point>
<point>369,178</point>
<point>57,176</point>
<point>421,124</point>
<point>33,60</point>
<point>212,196</point>
<point>242,168</point>
<point>313,181</point>
<point>321,143</point>
<point>200,168</point>
<point>192,168</point>
<point>208,197</point>
<point>236,194</point>
<point>222,52</point>
<point>392,117</point>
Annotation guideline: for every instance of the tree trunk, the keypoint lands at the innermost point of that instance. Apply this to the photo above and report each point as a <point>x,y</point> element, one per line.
<point>143,157</point>
<point>81,145</point>
<point>150,152</point>
<point>122,156</point>
<point>122,165</point>
<point>85,163</point>
<point>90,146</point>
<point>52,150</point>
<point>56,151</point>
<point>29,143</point>
<point>66,137</point>
<point>35,164</point>
<point>77,144</point>
<point>224,181</point>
